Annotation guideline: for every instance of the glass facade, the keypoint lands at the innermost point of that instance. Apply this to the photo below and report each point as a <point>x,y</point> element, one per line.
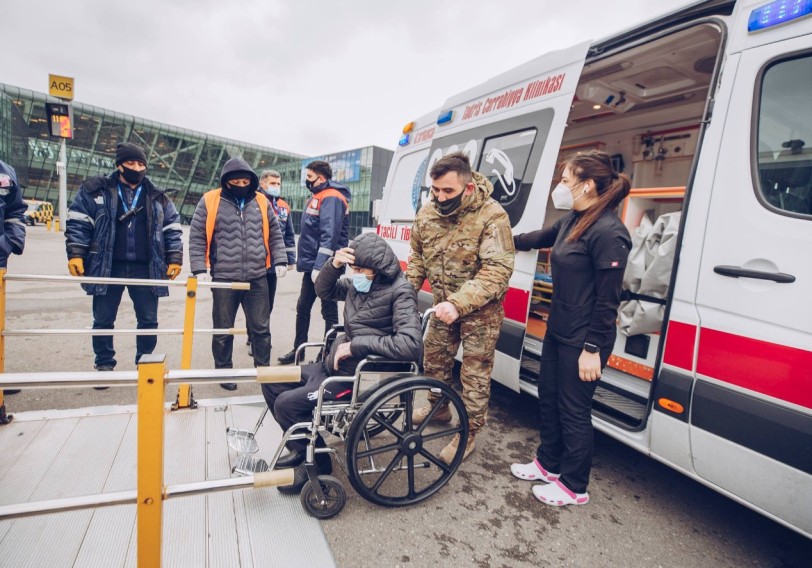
<point>184,162</point>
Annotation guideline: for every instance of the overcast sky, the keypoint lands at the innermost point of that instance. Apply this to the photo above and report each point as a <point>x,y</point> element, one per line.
<point>307,76</point>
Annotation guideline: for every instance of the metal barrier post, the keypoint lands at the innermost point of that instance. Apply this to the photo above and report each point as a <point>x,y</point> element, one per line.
<point>4,418</point>
<point>185,399</point>
<point>151,392</point>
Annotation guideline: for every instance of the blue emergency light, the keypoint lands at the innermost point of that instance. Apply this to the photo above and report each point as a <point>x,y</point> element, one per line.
<point>445,117</point>
<point>404,140</point>
<point>778,12</point>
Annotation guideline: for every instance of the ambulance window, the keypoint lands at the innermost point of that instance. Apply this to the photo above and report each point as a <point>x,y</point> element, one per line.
<point>504,161</point>
<point>784,152</point>
<point>405,196</point>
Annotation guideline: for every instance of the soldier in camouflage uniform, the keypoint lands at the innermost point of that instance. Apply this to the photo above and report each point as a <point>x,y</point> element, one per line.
<point>463,245</point>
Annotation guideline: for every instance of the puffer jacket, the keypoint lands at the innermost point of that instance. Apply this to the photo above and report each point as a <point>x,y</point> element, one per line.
<point>383,321</point>
<point>90,230</point>
<point>237,250</point>
<point>325,226</point>
<point>467,256</point>
<point>12,215</point>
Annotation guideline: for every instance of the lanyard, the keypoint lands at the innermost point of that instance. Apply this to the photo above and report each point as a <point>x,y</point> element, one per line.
<point>124,202</point>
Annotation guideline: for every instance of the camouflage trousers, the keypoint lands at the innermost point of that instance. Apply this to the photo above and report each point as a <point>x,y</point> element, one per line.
<point>478,332</point>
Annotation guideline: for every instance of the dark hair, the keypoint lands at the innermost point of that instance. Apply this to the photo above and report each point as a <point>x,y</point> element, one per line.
<point>454,162</point>
<point>612,187</point>
<point>321,168</point>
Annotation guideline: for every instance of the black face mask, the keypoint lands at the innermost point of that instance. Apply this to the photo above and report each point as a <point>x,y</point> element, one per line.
<point>239,192</point>
<point>449,205</point>
<point>310,184</point>
<point>133,177</point>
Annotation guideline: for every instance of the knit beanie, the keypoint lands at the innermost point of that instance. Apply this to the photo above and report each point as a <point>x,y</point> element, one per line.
<point>127,151</point>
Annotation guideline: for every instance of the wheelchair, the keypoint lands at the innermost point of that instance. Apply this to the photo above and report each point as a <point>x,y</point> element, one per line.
<point>388,459</point>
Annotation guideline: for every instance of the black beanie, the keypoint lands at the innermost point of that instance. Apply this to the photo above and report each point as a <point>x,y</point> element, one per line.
<point>127,151</point>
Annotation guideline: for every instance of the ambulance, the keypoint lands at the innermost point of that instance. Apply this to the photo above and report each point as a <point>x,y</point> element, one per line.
<point>709,110</point>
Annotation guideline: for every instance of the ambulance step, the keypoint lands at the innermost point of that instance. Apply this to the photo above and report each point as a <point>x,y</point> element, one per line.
<point>529,370</point>
<point>624,409</point>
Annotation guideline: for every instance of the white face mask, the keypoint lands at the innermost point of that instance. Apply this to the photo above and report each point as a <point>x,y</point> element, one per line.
<point>562,197</point>
<point>273,190</point>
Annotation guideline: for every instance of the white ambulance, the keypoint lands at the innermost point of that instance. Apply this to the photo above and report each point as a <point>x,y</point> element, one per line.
<point>709,110</point>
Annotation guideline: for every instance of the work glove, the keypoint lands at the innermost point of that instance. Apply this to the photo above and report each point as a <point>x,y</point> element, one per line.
<point>172,271</point>
<point>76,266</point>
<point>281,270</point>
<point>313,275</point>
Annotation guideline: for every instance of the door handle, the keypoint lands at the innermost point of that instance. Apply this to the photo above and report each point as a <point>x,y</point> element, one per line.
<point>739,272</point>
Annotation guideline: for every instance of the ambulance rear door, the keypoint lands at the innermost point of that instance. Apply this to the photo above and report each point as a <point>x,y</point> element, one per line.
<point>511,128</point>
<point>751,406</point>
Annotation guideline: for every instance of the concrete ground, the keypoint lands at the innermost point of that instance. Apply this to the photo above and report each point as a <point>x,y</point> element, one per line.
<point>641,512</point>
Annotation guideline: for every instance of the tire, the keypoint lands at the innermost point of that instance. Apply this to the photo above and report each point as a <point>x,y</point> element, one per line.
<point>334,493</point>
<point>384,469</point>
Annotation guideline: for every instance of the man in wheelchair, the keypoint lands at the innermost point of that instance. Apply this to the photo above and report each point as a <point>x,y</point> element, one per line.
<point>380,318</point>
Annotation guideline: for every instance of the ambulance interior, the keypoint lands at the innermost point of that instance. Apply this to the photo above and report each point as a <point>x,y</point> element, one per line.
<point>643,106</point>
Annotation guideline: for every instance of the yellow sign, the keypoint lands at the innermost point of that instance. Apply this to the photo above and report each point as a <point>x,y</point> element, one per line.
<point>61,87</point>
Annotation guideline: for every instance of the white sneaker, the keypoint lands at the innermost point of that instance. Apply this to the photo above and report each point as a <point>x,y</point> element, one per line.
<point>557,495</point>
<point>533,471</point>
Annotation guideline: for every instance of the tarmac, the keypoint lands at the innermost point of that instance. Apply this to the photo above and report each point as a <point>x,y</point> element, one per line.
<point>641,513</point>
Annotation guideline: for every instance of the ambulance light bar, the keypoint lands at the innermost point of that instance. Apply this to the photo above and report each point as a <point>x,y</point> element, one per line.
<point>777,13</point>
<point>445,117</point>
<point>409,127</point>
<point>404,140</point>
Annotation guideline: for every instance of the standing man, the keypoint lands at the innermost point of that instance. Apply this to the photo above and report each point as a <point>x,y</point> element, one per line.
<point>270,181</point>
<point>461,243</point>
<point>122,226</point>
<point>235,233</point>
<point>325,229</point>
<point>12,229</point>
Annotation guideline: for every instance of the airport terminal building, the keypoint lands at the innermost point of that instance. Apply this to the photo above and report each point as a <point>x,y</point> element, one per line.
<point>184,162</point>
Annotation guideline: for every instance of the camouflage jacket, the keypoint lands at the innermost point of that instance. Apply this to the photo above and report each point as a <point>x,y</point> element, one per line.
<point>466,256</point>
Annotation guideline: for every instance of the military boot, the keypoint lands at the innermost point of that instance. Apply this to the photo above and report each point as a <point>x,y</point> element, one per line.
<point>443,414</point>
<point>447,454</point>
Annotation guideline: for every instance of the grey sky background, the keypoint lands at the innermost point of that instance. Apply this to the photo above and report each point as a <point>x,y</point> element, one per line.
<point>308,76</point>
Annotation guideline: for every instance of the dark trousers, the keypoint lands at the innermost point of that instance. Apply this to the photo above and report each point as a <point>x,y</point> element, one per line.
<point>307,297</point>
<point>271,278</point>
<point>223,313</point>
<point>565,414</point>
<point>294,402</point>
<point>105,310</point>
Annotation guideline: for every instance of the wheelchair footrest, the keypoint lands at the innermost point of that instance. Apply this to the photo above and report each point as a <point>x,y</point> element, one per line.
<point>241,441</point>
<point>246,464</point>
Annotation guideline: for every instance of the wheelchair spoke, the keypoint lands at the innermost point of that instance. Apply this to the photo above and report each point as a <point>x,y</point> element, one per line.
<point>434,410</point>
<point>435,435</point>
<point>389,469</point>
<point>383,422</point>
<point>439,463</point>
<point>378,450</point>
<point>409,408</point>
<point>410,474</point>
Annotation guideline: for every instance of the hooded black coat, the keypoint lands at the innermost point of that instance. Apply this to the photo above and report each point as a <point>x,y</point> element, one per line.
<point>383,321</point>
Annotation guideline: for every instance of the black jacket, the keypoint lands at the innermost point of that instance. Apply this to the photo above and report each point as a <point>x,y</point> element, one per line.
<point>383,321</point>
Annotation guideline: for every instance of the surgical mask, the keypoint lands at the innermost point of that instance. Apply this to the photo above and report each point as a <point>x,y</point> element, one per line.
<point>562,197</point>
<point>361,282</point>
<point>133,177</point>
<point>449,205</point>
<point>273,190</point>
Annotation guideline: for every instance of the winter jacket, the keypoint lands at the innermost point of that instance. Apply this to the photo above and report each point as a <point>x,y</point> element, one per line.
<point>90,230</point>
<point>237,251</point>
<point>282,210</point>
<point>325,225</point>
<point>467,256</point>
<point>12,211</point>
<point>383,321</point>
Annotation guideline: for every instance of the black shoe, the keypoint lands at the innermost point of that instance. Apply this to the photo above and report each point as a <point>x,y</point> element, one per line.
<point>291,459</point>
<point>10,391</point>
<point>103,368</point>
<point>287,358</point>
<point>250,350</point>
<point>299,480</point>
<point>229,386</point>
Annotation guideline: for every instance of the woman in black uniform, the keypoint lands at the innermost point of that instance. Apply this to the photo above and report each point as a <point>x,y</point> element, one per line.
<point>590,246</point>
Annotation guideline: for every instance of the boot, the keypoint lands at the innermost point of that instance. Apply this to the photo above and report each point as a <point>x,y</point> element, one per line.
<point>287,358</point>
<point>447,454</point>
<point>443,414</point>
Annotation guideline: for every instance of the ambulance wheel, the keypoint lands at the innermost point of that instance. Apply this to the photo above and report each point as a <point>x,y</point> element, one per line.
<point>402,465</point>
<point>334,497</point>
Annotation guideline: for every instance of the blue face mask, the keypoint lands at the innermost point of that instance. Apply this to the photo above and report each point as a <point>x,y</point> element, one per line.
<point>361,283</point>
<point>273,191</point>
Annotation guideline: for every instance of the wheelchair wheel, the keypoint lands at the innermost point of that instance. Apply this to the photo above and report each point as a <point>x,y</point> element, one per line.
<point>402,465</point>
<point>334,497</point>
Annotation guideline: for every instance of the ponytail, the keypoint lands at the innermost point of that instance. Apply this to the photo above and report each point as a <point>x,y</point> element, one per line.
<point>612,187</point>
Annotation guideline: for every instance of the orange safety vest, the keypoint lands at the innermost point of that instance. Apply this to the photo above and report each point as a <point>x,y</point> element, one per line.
<point>212,200</point>
<point>315,202</point>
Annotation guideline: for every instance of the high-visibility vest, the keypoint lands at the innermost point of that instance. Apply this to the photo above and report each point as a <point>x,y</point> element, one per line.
<point>212,200</point>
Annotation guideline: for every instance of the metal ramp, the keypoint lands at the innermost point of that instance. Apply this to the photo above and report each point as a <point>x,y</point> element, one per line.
<point>57,454</point>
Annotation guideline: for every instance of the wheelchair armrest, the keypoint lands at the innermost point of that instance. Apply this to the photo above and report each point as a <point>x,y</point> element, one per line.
<point>376,363</point>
